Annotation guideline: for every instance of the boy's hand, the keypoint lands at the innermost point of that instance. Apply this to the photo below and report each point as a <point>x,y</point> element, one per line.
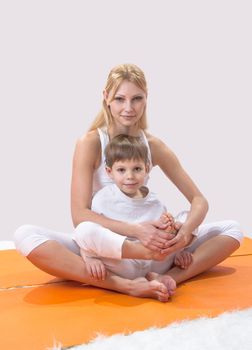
<point>95,268</point>
<point>183,259</point>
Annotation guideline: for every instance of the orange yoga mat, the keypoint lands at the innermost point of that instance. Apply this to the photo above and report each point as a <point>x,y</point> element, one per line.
<point>45,310</point>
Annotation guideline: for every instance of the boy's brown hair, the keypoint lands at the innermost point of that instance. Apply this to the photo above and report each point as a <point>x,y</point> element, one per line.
<point>125,147</point>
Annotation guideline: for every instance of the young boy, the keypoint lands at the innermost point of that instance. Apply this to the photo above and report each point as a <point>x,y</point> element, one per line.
<point>128,199</point>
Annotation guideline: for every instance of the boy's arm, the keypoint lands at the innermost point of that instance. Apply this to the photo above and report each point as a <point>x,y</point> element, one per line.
<point>183,259</point>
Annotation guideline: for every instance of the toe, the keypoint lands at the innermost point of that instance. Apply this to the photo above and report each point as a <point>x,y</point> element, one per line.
<point>163,297</point>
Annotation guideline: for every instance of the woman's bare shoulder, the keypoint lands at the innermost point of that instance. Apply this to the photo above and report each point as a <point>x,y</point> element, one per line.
<point>91,138</point>
<point>88,148</point>
<point>155,142</point>
<point>158,148</point>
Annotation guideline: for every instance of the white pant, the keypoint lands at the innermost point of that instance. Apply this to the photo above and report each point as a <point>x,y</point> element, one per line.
<point>97,241</point>
<point>29,237</point>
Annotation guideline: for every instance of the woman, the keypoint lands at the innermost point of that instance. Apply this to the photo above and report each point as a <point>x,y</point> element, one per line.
<point>124,112</point>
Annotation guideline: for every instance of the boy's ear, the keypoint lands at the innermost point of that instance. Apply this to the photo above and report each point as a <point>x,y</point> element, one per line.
<point>109,171</point>
<point>147,168</point>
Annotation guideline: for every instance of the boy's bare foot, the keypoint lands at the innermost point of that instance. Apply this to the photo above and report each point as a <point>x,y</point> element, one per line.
<point>177,225</point>
<point>167,280</point>
<point>135,250</point>
<point>141,287</point>
<point>168,220</point>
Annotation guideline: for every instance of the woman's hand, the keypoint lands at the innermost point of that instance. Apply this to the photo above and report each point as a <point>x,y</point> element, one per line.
<point>181,240</point>
<point>152,235</point>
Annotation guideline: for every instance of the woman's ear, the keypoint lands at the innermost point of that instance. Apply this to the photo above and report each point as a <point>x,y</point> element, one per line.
<point>105,95</point>
<point>109,172</point>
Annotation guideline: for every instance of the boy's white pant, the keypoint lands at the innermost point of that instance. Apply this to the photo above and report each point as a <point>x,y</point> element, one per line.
<point>97,241</point>
<point>109,244</point>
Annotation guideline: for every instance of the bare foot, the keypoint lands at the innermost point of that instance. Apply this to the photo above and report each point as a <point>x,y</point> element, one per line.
<point>177,225</point>
<point>135,250</point>
<point>167,219</point>
<point>173,230</point>
<point>141,287</point>
<point>167,280</point>
<point>158,256</point>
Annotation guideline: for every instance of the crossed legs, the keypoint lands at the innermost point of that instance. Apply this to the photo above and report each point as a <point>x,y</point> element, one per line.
<point>215,243</point>
<point>62,260</point>
<point>68,265</point>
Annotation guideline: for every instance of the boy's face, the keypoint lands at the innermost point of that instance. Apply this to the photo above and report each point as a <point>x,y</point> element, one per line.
<point>128,175</point>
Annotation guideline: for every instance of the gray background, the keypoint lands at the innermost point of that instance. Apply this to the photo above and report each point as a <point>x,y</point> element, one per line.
<point>55,57</point>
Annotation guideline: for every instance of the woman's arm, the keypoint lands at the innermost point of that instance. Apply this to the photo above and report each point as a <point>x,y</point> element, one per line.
<point>87,158</point>
<point>170,165</point>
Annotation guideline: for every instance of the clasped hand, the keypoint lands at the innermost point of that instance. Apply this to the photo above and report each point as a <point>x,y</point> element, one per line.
<point>164,235</point>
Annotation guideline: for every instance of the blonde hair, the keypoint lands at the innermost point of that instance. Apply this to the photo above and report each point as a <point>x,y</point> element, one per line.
<point>125,147</point>
<point>117,75</point>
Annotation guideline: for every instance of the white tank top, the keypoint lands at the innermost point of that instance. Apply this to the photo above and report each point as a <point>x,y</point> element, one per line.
<point>100,178</point>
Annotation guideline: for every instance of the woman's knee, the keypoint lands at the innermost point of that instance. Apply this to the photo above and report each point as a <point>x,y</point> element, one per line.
<point>28,237</point>
<point>233,229</point>
<point>22,233</point>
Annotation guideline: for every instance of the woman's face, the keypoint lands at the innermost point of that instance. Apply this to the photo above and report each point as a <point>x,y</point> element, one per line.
<point>128,104</point>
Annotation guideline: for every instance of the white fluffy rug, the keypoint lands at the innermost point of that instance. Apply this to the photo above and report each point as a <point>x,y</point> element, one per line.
<point>229,331</point>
